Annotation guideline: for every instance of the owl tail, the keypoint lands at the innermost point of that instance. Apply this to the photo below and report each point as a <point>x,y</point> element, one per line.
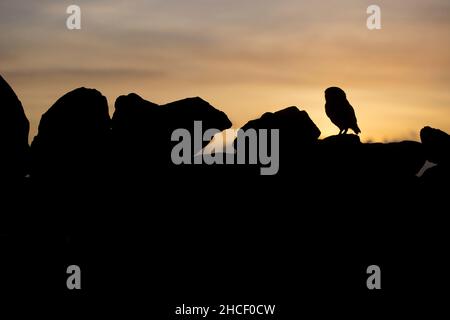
<point>356,129</point>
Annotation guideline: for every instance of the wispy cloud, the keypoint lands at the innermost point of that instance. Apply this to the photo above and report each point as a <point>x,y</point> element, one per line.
<point>245,56</point>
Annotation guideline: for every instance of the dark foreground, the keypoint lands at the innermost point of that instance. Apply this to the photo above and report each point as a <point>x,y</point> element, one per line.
<point>149,236</point>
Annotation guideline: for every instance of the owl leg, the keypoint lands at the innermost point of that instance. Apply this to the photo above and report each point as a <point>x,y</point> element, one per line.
<point>345,131</point>
<point>340,131</point>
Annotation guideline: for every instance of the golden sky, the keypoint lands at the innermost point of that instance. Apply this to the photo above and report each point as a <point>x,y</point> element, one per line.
<point>245,57</point>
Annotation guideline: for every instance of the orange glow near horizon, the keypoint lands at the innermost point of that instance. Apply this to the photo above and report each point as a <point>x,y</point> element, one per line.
<point>245,58</point>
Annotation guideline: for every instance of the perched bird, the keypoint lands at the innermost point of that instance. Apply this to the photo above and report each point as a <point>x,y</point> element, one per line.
<point>340,111</point>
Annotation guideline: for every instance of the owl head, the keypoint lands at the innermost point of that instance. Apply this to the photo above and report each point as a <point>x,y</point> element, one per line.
<point>335,94</point>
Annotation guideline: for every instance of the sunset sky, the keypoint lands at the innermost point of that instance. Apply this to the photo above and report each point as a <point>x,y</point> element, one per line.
<point>245,57</point>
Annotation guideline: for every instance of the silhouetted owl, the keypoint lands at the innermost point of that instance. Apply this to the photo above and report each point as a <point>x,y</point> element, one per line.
<point>340,111</point>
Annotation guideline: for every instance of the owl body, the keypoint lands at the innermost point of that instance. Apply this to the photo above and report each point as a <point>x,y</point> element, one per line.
<point>340,111</point>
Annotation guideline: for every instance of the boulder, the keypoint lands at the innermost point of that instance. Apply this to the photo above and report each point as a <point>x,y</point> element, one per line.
<point>14,129</point>
<point>73,137</point>
<point>296,127</point>
<point>437,144</point>
<point>142,130</point>
<point>437,147</point>
<point>297,135</point>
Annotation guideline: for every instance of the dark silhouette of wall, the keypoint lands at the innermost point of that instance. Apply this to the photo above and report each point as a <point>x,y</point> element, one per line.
<point>103,194</point>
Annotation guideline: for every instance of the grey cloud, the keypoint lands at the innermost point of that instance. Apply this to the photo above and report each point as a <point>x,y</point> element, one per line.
<point>81,72</point>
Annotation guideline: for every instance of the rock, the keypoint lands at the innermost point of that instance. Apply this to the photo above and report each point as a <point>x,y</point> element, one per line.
<point>343,160</point>
<point>342,140</point>
<point>335,161</point>
<point>297,134</point>
<point>395,160</point>
<point>135,126</point>
<point>437,148</point>
<point>337,158</point>
<point>73,137</point>
<point>296,127</point>
<point>183,113</point>
<point>132,114</point>
<point>14,129</point>
<point>437,144</point>
<point>144,129</point>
